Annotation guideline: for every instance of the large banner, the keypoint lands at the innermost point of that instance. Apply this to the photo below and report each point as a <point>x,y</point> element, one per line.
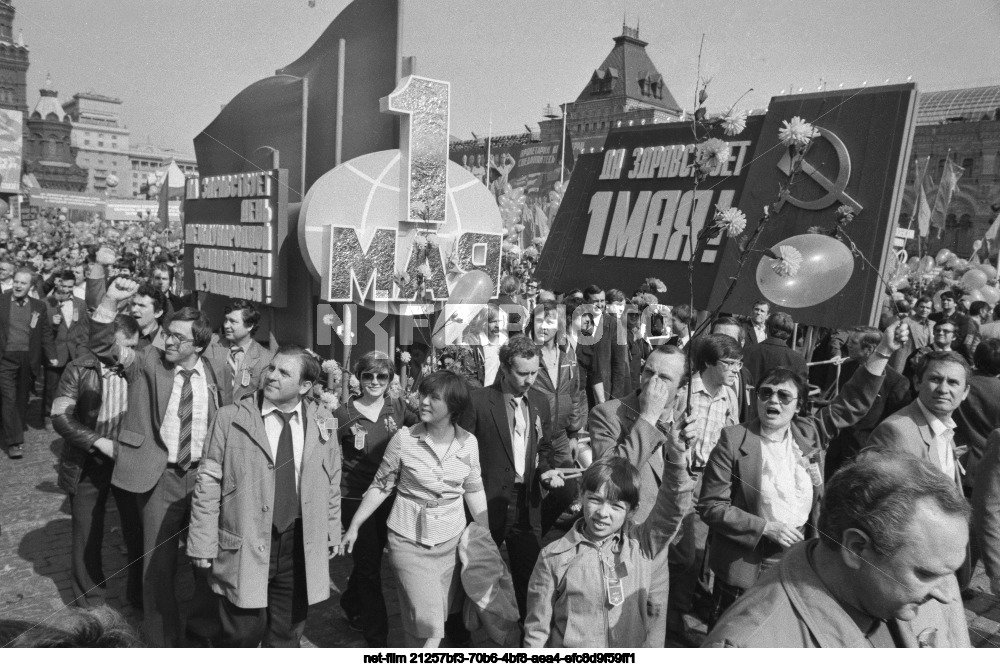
<point>235,226</point>
<point>627,214</point>
<point>11,140</point>
<point>857,160</point>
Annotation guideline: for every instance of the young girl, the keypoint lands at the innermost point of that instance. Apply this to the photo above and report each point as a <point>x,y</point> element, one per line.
<point>589,589</point>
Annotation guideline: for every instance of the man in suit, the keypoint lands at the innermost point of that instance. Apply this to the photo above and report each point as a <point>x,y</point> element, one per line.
<point>513,428</point>
<point>25,334</point>
<point>729,326</point>
<point>892,532</point>
<point>71,324</point>
<point>774,351</point>
<point>979,414</point>
<point>606,357</point>
<point>163,280</point>
<point>269,483</point>
<point>925,427</point>
<point>173,396</point>
<point>755,326</point>
<point>239,361</point>
<point>681,319</point>
<point>645,420</point>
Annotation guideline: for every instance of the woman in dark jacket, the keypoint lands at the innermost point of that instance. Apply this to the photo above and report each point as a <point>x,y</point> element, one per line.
<point>365,425</point>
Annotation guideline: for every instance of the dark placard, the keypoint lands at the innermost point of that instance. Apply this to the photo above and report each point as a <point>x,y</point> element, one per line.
<point>859,159</point>
<point>627,213</point>
<point>234,228</point>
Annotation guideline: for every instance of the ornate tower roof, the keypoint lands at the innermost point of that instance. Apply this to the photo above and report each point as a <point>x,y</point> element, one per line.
<point>627,71</point>
<point>48,107</point>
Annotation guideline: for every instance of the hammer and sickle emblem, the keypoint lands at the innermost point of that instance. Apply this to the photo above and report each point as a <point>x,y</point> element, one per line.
<point>835,191</point>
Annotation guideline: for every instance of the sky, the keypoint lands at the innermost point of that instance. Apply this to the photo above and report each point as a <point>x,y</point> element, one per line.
<point>174,63</point>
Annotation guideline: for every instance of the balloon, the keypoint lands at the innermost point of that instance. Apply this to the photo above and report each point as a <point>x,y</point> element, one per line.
<point>913,264</point>
<point>899,283</point>
<point>974,279</point>
<point>943,256</point>
<point>989,270</point>
<point>977,245</point>
<point>990,294</point>
<point>926,264</point>
<point>474,287</point>
<point>827,266</point>
<point>975,295</point>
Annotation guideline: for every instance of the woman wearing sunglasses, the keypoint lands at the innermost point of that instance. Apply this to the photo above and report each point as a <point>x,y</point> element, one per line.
<point>432,467</point>
<point>762,485</point>
<point>365,426</point>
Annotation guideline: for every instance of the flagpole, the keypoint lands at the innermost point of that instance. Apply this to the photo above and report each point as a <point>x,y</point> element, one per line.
<point>489,142</point>
<point>562,161</point>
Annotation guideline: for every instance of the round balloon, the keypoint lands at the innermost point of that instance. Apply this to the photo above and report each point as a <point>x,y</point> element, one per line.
<point>989,270</point>
<point>827,266</point>
<point>974,279</point>
<point>976,295</point>
<point>913,264</point>
<point>990,294</point>
<point>943,255</point>
<point>926,264</point>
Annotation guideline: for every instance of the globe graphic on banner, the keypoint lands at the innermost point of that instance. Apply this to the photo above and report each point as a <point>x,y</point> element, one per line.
<point>363,194</point>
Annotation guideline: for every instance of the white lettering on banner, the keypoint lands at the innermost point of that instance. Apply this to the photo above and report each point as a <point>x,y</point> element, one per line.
<point>234,236</point>
<point>235,287</point>
<point>252,184</point>
<point>664,216</point>
<point>233,261</point>
<point>256,210</point>
<point>669,161</point>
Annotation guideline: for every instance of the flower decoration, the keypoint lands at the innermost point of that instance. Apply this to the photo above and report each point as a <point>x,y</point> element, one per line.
<point>404,357</point>
<point>419,241</point>
<point>401,278</point>
<point>329,400</point>
<point>433,240</point>
<point>732,220</point>
<point>711,154</point>
<point>425,270</point>
<point>734,122</point>
<point>530,253</point>
<point>797,132</point>
<point>789,260</point>
<point>333,371</point>
<point>390,425</point>
<point>654,285</point>
<point>518,228</point>
<point>395,389</point>
<point>845,214</point>
<point>539,241</point>
<point>329,320</point>
<point>354,385</point>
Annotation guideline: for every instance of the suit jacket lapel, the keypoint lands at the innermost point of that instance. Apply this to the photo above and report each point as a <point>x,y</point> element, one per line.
<point>751,466</point>
<point>311,440</point>
<point>252,424</point>
<point>499,411</point>
<point>164,385</point>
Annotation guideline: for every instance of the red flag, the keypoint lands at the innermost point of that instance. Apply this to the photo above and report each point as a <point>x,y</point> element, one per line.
<point>949,183</point>
<point>921,208</point>
<point>993,231</point>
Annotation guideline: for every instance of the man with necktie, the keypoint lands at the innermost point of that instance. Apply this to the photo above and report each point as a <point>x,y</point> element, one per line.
<point>172,397</point>
<point>239,361</point>
<point>265,516</point>
<point>24,334</point>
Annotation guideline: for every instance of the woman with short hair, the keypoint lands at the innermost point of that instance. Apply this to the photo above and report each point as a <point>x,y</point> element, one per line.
<point>432,467</point>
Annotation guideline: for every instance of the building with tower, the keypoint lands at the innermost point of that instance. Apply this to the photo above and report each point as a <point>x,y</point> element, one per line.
<point>627,87</point>
<point>102,143</point>
<point>13,63</point>
<point>49,156</point>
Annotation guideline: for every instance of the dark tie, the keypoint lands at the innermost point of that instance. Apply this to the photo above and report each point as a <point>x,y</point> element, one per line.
<point>286,497</point>
<point>184,413</point>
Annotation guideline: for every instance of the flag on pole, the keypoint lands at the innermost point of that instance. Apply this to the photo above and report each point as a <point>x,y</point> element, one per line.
<point>994,230</point>
<point>949,183</point>
<point>921,208</point>
<point>164,207</point>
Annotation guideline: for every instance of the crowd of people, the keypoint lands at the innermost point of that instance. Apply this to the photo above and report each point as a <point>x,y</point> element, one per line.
<point>581,469</point>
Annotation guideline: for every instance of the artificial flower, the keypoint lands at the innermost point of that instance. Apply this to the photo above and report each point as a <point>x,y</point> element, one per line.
<point>390,425</point>
<point>329,400</point>
<point>395,390</point>
<point>401,278</point>
<point>655,285</point>
<point>732,220</point>
<point>734,122</point>
<point>789,261</point>
<point>539,240</point>
<point>354,385</point>
<point>531,252</point>
<point>330,320</point>
<point>425,271</point>
<point>710,154</point>
<point>518,228</point>
<point>845,214</point>
<point>433,240</point>
<point>404,357</point>
<point>796,132</point>
<point>419,241</point>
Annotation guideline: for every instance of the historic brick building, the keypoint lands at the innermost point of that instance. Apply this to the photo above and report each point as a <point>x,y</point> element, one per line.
<point>49,156</point>
<point>13,63</point>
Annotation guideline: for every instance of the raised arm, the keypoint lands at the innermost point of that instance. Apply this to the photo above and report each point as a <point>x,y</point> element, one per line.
<point>102,331</point>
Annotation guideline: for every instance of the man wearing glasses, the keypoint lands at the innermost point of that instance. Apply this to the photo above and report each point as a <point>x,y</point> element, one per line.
<point>944,336</point>
<point>172,398</point>
<point>764,479</point>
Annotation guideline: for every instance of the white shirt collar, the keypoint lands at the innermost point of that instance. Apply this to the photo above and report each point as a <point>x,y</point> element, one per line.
<point>199,368</point>
<point>267,407</point>
<point>938,425</point>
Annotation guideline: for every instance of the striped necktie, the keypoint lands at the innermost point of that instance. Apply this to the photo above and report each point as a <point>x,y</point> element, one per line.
<point>185,411</point>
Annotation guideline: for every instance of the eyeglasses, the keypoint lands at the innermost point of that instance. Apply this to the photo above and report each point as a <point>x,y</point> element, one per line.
<point>732,364</point>
<point>368,376</point>
<point>181,340</point>
<point>950,332</point>
<point>784,397</point>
